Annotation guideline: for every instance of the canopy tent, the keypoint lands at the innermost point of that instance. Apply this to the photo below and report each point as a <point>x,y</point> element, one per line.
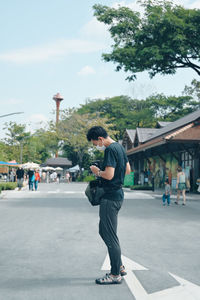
<point>30,165</point>
<point>7,164</point>
<point>74,169</point>
<point>48,168</point>
<point>58,169</point>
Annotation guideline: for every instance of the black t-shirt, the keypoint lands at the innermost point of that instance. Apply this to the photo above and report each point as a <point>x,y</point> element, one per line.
<point>115,156</point>
<point>20,173</point>
<point>30,174</point>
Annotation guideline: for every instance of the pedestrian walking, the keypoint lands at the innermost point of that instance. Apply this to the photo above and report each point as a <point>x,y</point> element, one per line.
<point>115,166</point>
<point>37,179</point>
<point>31,178</point>
<point>146,177</point>
<point>20,178</point>
<point>58,177</point>
<point>181,185</point>
<point>68,177</point>
<point>167,193</point>
<point>43,176</point>
<point>54,176</point>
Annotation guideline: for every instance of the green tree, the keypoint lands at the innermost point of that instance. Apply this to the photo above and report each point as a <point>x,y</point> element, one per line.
<point>121,111</point>
<point>170,108</point>
<point>194,91</point>
<point>17,138</point>
<point>72,130</point>
<point>46,142</point>
<point>3,152</point>
<point>165,39</point>
<point>24,146</point>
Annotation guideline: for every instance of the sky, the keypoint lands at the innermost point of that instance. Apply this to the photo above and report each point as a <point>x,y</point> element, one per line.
<point>56,46</point>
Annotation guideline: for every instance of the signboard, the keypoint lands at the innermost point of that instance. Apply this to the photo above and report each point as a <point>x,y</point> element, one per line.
<point>3,169</point>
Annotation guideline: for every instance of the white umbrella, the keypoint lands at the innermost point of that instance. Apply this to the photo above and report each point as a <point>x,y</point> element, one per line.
<point>30,165</point>
<point>58,169</point>
<point>48,168</point>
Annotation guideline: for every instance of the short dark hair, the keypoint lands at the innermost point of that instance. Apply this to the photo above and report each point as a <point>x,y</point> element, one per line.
<point>179,169</point>
<point>167,180</point>
<point>95,132</point>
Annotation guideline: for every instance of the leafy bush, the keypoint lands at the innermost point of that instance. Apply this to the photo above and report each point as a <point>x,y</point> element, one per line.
<point>141,187</point>
<point>88,178</point>
<point>8,185</point>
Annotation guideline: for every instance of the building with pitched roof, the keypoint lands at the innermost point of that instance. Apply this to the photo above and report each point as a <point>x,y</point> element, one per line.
<point>61,162</point>
<point>160,150</point>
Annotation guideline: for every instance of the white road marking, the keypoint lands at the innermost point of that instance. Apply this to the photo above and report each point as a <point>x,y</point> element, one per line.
<point>185,291</point>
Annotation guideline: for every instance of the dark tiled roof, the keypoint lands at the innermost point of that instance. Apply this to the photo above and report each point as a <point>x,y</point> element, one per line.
<point>187,133</point>
<point>144,134</point>
<point>131,133</point>
<point>177,124</point>
<point>190,134</point>
<point>146,145</point>
<point>58,161</point>
<point>161,124</point>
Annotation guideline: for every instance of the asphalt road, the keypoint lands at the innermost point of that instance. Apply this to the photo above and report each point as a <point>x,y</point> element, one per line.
<point>50,248</point>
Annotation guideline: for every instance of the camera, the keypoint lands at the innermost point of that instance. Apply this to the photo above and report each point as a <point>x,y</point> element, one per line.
<point>96,163</point>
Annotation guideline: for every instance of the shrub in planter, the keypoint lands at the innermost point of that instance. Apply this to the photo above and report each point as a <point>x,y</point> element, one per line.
<point>141,187</point>
<point>89,178</point>
<point>8,185</point>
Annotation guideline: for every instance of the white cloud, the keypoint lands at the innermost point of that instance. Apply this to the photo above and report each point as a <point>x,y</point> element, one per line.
<point>87,70</point>
<point>132,5</point>
<point>195,4</point>
<point>47,52</point>
<point>95,29</point>
<point>36,121</point>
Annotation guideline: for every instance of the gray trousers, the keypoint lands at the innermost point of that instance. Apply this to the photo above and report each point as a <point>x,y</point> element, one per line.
<point>108,214</point>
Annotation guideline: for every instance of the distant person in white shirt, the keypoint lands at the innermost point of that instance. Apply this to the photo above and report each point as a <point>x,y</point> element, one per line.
<point>181,185</point>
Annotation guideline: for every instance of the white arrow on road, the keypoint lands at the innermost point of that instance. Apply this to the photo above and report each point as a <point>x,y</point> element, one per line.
<point>185,291</point>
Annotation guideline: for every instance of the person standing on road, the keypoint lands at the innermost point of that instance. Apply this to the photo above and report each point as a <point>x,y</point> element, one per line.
<point>167,193</point>
<point>68,177</point>
<point>31,178</point>
<point>37,179</point>
<point>58,177</point>
<point>20,178</point>
<point>181,185</point>
<point>115,166</point>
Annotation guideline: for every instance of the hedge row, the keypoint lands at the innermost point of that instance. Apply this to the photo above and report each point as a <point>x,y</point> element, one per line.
<point>8,186</point>
<point>141,187</point>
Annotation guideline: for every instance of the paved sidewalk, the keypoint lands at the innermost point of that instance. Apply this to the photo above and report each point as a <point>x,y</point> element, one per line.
<point>159,192</point>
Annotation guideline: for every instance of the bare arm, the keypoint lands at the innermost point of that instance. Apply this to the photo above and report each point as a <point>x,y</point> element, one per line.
<point>128,168</point>
<point>178,178</point>
<point>107,174</point>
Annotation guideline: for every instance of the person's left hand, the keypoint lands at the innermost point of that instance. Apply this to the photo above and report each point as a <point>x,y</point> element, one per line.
<point>94,169</point>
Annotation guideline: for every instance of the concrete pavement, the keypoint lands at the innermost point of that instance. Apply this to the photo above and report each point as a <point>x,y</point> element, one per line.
<point>50,247</point>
